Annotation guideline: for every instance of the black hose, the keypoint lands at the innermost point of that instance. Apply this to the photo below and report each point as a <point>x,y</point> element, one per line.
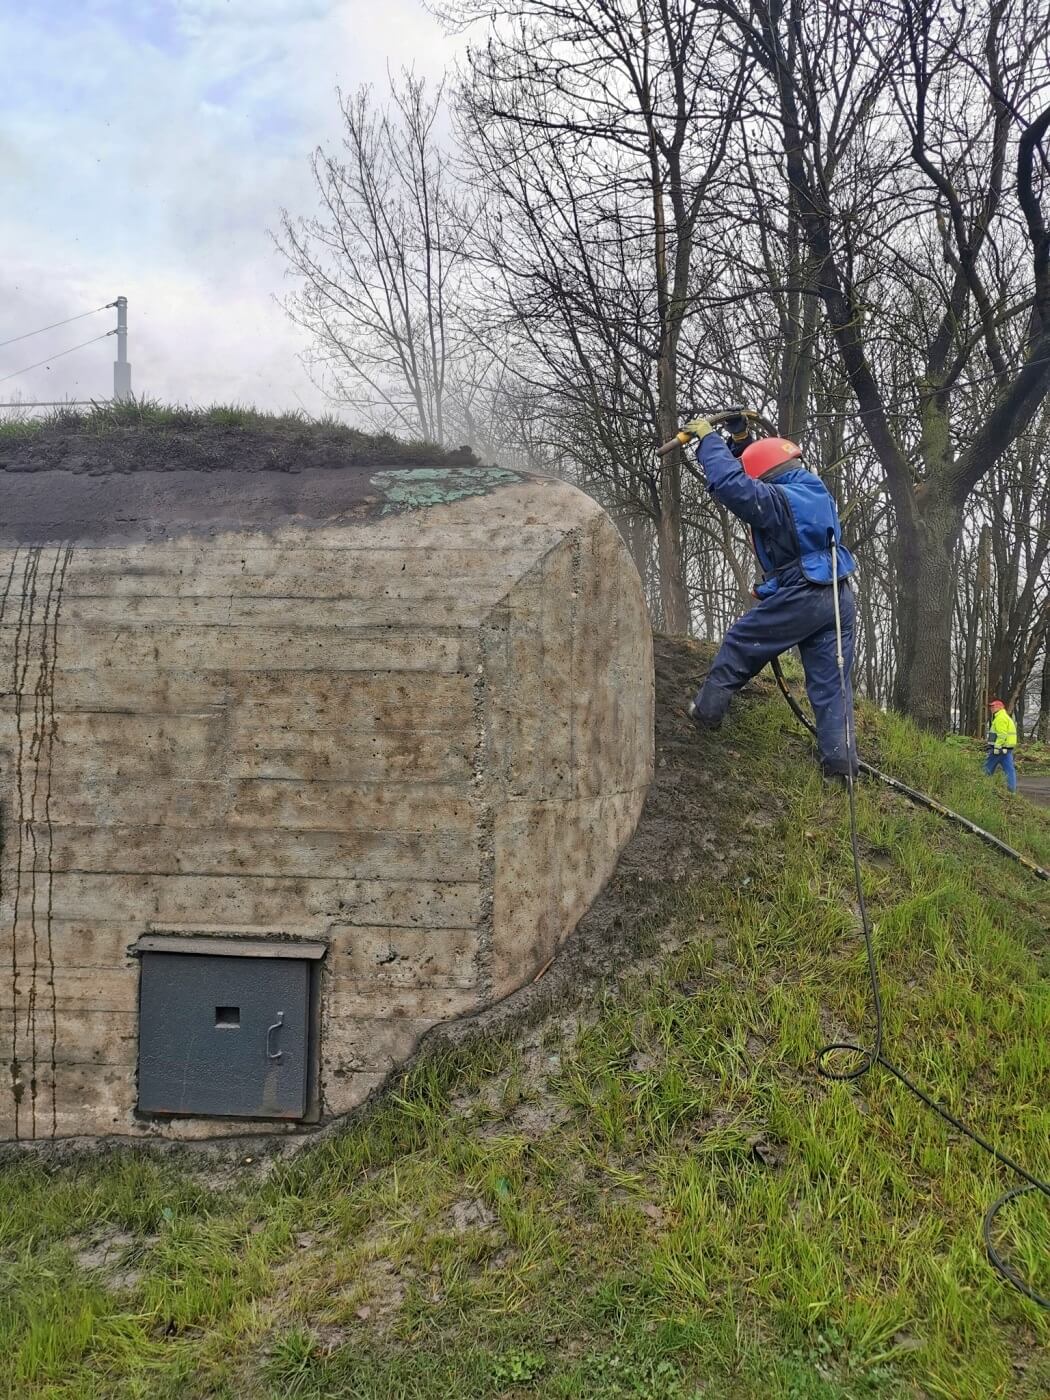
<point>913,794</point>
<point>875,1054</point>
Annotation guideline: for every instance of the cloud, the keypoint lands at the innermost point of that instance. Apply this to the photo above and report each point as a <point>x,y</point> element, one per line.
<point>147,149</point>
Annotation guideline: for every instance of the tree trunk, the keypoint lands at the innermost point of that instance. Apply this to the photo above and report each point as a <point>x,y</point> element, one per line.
<point>871,648</point>
<point>982,633</point>
<point>925,582</point>
<point>1042,728</point>
<point>634,531</point>
<point>799,325</point>
<point>674,601</point>
<point>1015,696</point>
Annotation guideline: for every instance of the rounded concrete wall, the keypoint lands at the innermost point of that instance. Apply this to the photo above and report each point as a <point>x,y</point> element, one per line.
<point>392,726</point>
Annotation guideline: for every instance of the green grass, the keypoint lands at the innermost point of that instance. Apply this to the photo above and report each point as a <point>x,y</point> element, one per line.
<point>145,413</point>
<point>701,1216</point>
<point>146,416</point>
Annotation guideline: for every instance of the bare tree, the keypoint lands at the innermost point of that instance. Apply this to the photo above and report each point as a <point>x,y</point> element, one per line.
<point>1042,725</point>
<point>661,206</point>
<point>382,265</point>
<point>912,135</point>
<point>599,136</point>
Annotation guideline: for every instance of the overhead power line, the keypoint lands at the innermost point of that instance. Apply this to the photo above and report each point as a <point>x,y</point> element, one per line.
<point>51,403</point>
<point>54,324</point>
<point>57,356</point>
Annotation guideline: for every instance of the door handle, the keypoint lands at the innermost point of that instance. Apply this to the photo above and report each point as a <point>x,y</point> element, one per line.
<point>274,1054</point>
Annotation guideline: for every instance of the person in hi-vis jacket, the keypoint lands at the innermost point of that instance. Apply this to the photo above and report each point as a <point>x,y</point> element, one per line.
<point>1002,740</point>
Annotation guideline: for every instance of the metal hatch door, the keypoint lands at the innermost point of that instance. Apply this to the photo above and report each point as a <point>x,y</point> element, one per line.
<point>223,1036</point>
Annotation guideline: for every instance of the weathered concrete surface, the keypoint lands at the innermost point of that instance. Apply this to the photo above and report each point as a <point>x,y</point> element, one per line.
<point>405,713</point>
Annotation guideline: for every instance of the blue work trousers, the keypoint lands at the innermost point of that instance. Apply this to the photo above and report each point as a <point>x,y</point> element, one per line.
<point>1005,761</point>
<point>797,615</point>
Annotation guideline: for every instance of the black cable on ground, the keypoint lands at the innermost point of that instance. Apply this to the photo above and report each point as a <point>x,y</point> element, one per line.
<point>913,794</point>
<point>875,1054</point>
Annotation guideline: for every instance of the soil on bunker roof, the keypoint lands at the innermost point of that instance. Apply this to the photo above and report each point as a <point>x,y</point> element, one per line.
<point>85,483</point>
<point>191,444</point>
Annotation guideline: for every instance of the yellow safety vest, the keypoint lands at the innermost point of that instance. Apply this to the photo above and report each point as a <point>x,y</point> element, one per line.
<point>1003,731</point>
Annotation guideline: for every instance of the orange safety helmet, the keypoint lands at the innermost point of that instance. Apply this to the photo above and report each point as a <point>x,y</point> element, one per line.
<point>765,454</point>
<point>994,705</point>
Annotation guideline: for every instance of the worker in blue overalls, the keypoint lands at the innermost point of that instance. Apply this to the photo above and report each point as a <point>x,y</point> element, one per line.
<point>794,527</point>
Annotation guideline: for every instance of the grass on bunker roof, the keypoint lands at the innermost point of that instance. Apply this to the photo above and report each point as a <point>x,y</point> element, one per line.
<point>103,418</point>
<point>137,435</point>
<point>651,1194</point>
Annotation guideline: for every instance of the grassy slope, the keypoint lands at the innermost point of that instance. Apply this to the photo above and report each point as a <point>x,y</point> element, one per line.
<point>663,1204</point>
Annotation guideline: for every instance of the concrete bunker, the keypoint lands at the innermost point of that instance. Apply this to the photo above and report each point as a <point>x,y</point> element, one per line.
<point>306,745</point>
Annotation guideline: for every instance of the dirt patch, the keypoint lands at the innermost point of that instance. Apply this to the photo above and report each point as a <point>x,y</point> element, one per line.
<point>470,1214</point>
<point>105,1255</point>
<point>380,1290</point>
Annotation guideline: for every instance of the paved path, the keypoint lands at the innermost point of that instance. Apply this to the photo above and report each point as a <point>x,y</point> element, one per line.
<point>1036,788</point>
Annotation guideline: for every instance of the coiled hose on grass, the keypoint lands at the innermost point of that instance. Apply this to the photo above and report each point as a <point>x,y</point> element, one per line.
<point>875,1053</point>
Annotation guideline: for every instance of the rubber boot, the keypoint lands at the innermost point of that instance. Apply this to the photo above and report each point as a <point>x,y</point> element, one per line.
<point>702,725</point>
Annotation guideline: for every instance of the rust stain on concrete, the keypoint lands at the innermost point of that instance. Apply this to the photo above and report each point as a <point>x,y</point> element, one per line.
<point>27,850</point>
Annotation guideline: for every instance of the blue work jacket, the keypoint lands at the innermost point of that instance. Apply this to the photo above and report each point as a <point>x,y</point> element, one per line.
<point>790,511</point>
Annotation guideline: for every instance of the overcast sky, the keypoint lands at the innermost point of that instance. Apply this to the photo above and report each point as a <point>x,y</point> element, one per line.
<point>146,149</point>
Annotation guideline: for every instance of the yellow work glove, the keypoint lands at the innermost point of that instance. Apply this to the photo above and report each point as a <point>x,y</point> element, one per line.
<point>697,428</point>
